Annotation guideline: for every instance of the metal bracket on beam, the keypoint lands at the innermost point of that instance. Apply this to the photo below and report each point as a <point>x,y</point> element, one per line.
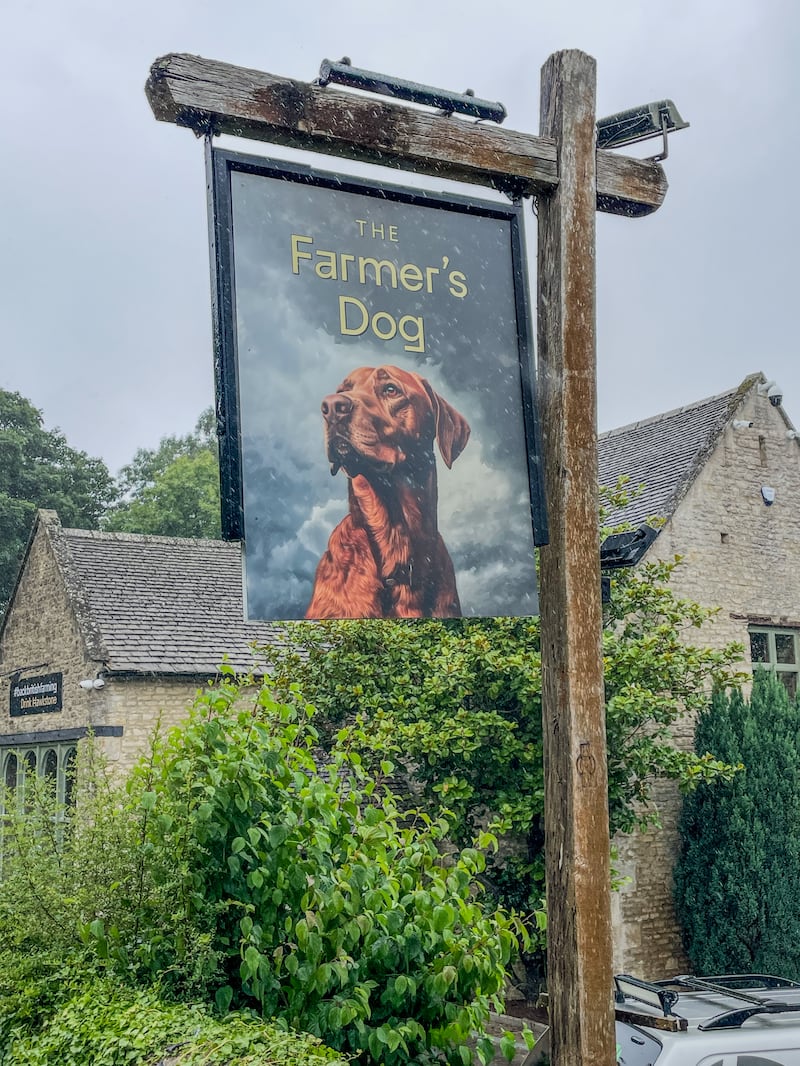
<point>467,103</point>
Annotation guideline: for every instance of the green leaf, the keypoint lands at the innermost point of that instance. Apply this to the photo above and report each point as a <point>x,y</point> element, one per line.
<point>223,997</point>
<point>508,1046</point>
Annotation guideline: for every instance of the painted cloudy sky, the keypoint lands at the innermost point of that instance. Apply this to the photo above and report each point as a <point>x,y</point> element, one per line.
<point>292,352</point>
<point>104,279</point>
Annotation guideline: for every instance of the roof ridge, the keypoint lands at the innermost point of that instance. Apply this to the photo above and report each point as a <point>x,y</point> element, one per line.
<point>738,390</point>
<point>138,538</point>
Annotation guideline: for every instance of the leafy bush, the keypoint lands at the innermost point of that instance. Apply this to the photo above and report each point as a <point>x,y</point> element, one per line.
<point>456,706</point>
<point>235,871</point>
<point>736,887</point>
<point>108,1026</point>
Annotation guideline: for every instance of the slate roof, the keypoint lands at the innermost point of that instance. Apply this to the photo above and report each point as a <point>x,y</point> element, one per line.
<point>158,605</point>
<point>666,452</point>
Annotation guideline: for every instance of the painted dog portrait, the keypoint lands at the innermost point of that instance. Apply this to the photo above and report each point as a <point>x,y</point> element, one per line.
<point>386,558</point>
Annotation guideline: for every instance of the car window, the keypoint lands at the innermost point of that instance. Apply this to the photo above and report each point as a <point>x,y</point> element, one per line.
<point>635,1048</point>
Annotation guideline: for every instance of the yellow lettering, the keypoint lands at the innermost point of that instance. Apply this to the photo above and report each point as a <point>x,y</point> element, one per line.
<point>429,272</point>
<point>393,233</point>
<point>411,277</point>
<point>326,266</point>
<point>344,259</point>
<point>297,254</point>
<point>384,335</point>
<point>412,330</point>
<point>378,267</point>
<point>356,330</point>
<point>458,284</point>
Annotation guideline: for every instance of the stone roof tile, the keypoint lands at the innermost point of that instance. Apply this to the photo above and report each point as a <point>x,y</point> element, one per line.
<point>165,605</point>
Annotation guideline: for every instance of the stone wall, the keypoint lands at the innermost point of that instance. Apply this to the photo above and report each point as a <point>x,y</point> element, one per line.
<point>43,634</point>
<point>139,705</point>
<point>745,556</point>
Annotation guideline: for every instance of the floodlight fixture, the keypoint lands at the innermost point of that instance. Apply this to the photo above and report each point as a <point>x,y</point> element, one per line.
<point>640,124</point>
<point>467,103</point>
<point>626,549</point>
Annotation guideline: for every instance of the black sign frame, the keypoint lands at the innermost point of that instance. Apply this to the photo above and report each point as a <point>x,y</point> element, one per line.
<point>221,165</point>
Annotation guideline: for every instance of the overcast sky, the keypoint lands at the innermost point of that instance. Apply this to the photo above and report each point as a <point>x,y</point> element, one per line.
<point>104,278</point>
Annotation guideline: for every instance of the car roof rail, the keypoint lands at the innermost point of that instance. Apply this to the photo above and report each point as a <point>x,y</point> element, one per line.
<point>732,1019</point>
<point>732,984</point>
<point>663,996</point>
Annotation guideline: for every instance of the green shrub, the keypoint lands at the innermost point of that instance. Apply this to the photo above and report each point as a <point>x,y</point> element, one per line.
<point>328,908</point>
<point>736,887</point>
<point>108,1026</point>
<point>236,872</point>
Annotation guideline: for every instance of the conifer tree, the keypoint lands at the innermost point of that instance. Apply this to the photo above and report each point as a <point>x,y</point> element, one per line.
<point>737,883</point>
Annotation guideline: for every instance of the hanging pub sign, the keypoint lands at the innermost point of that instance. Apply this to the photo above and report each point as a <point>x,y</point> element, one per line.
<point>36,695</point>
<point>375,395</point>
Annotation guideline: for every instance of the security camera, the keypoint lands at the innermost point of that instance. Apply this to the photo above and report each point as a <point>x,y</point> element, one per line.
<point>92,682</point>
<point>775,395</point>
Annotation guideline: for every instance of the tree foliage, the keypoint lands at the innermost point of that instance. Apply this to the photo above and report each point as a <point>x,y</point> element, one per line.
<point>235,873</point>
<point>39,469</point>
<point>456,706</point>
<point>736,885</point>
<point>172,490</point>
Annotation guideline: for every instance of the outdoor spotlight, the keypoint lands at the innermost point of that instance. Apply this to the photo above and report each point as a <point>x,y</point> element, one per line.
<point>92,682</point>
<point>640,124</point>
<point>741,423</point>
<point>467,103</point>
<point>626,549</point>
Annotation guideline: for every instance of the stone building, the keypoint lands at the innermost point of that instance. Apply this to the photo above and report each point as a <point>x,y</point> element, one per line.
<point>105,632</point>
<point>725,474</point>
<point>108,631</point>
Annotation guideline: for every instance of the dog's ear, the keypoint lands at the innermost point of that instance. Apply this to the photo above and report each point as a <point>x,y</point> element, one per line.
<point>452,429</point>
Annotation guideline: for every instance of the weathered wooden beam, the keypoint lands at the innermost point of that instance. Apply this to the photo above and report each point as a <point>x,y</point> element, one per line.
<point>206,95</point>
<point>573,709</point>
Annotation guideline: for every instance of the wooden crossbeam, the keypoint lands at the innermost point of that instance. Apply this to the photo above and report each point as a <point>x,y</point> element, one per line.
<point>204,95</point>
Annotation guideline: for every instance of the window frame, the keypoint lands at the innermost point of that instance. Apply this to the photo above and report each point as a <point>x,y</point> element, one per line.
<point>773,664</point>
<point>66,759</point>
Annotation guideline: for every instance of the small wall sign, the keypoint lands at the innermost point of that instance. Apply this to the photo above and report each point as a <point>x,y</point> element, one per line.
<point>36,695</point>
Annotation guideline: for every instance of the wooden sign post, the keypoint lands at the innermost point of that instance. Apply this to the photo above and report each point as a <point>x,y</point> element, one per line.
<point>573,705</point>
<point>571,180</point>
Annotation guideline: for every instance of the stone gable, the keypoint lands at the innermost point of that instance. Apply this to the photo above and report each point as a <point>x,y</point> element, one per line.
<point>740,555</point>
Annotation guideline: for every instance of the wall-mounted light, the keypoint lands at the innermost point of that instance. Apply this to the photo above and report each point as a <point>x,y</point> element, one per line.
<point>741,423</point>
<point>792,434</point>
<point>640,124</point>
<point>768,495</point>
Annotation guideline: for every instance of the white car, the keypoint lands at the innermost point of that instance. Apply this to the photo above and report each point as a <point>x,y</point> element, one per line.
<point>729,1020</point>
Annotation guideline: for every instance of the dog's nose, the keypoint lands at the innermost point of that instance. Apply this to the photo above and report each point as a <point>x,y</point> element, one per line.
<point>337,408</point>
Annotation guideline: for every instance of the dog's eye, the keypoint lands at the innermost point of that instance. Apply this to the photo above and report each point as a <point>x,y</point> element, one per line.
<point>390,390</point>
